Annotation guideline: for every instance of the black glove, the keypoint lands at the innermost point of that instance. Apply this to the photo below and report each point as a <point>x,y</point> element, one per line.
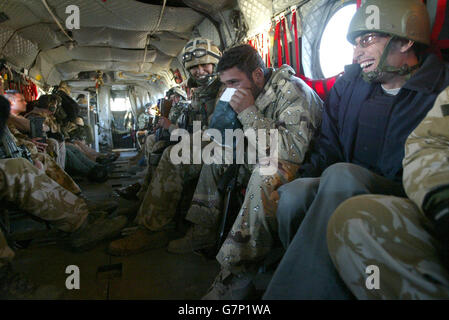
<point>439,215</point>
<point>57,135</point>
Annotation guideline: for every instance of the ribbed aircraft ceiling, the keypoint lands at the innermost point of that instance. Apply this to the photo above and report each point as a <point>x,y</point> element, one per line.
<point>112,37</point>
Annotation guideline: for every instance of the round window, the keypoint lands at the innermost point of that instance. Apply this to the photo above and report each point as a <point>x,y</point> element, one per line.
<point>335,50</point>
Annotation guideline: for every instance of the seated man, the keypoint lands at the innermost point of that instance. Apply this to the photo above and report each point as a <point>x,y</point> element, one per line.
<point>29,188</point>
<point>164,192</point>
<point>265,99</point>
<point>410,237</point>
<point>37,149</point>
<point>369,114</point>
<point>45,107</point>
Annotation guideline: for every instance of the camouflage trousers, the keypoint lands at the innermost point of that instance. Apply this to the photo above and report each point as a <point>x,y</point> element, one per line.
<point>57,151</point>
<point>6,254</point>
<point>33,191</point>
<point>55,172</point>
<point>254,231</point>
<point>392,234</point>
<point>164,191</point>
<point>150,145</point>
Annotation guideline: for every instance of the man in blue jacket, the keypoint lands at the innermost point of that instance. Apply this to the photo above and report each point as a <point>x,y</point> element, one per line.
<point>370,112</point>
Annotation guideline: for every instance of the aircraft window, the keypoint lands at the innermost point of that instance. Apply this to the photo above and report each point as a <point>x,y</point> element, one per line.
<point>120,104</point>
<point>335,50</point>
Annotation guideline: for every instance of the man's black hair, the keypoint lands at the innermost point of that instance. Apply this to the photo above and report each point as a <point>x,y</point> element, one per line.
<point>69,105</point>
<point>244,57</point>
<point>4,114</point>
<point>45,100</point>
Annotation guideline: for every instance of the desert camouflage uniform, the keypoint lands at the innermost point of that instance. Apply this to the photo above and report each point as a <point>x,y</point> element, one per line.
<point>290,106</point>
<point>6,254</point>
<point>52,169</point>
<point>76,132</point>
<point>394,233</point>
<point>55,148</point>
<point>152,145</point>
<point>176,111</point>
<point>165,190</point>
<point>34,192</point>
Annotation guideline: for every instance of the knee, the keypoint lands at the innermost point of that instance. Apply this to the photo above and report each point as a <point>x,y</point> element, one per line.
<point>291,200</point>
<point>18,164</point>
<point>341,171</point>
<point>346,177</point>
<point>344,221</point>
<point>166,154</point>
<point>356,214</point>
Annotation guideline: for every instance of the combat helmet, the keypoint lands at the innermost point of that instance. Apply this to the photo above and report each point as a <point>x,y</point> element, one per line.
<point>200,51</point>
<point>406,19</point>
<point>179,92</point>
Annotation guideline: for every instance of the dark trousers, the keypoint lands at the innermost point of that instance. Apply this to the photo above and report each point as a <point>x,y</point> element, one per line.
<point>77,162</point>
<point>304,209</point>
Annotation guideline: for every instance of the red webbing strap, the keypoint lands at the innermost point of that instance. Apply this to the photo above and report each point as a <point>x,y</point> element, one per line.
<point>277,38</point>
<point>295,27</point>
<point>287,55</point>
<point>267,43</point>
<point>439,22</point>
<point>444,44</point>
<point>359,3</point>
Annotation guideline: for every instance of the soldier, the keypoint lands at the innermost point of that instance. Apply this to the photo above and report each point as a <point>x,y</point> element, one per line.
<point>160,202</point>
<point>36,148</point>
<point>46,107</point>
<point>156,143</point>
<point>265,99</point>
<point>370,112</point>
<point>33,191</point>
<point>410,236</point>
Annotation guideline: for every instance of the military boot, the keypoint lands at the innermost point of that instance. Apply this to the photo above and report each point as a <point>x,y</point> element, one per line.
<point>15,286</point>
<point>140,241</point>
<point>97,227</point>
<point>98,173</point>
<point>197,237</point>
<point>129,192</point>
<point>229,286</point>
<point>109,205</point>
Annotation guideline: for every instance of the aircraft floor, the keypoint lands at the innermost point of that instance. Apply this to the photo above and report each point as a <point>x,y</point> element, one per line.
<point>155,274</point>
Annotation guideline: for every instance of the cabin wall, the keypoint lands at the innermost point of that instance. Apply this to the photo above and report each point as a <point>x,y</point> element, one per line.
<point>104,115</point>
<point>206,29</point>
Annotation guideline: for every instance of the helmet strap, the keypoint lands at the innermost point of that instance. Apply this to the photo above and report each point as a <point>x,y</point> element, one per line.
<point>404,70</point>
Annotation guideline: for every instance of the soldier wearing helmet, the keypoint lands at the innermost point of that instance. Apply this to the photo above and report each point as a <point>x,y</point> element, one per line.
<point>388,37</point>
<point>200,57</point>
<point>165,182</point>
<point>368,115</point>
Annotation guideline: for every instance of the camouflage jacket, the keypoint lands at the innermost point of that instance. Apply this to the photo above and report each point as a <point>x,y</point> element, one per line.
<point>22,139</point>
<point>203,103</point>
<point>426,164</point>
<point>289,105</point>
<point>176,111</point>
<point>50,120</point>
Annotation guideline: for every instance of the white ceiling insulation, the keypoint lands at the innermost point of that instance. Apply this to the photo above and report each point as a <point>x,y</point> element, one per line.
<point>112,37</point>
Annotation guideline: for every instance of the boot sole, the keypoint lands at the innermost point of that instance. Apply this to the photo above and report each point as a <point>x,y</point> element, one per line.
<point>171,250</point>
<point>125,253</point>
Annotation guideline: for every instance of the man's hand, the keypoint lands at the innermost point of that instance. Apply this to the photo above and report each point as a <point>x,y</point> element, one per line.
<point>163,123</point>
<point>38,164</point>
<point>142,132</point>
<point>241,100</point>
<point>41,147</point>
